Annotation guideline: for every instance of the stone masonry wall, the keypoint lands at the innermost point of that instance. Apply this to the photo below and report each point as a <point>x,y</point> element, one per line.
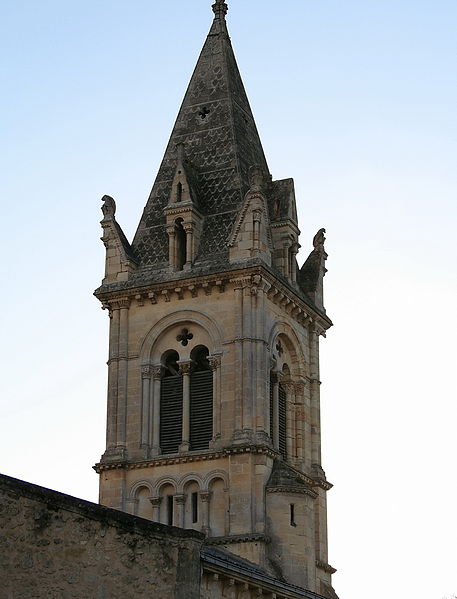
<point>55,546</point>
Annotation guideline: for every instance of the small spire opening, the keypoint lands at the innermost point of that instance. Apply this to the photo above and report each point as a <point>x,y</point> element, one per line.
<point>181,244</point>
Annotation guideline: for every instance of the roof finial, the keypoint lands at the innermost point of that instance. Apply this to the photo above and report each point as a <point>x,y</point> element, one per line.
<point>220,9</point>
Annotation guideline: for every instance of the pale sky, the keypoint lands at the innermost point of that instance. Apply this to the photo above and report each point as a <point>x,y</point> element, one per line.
<point>357,101</point>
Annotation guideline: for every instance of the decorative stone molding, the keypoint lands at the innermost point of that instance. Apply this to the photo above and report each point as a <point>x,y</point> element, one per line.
<point>246,538</point>
<point>185,366</point>
<point>180,499</point>
<point>120,303</point>
<point>156,372</point>
<point>294,490</point>
<point>146,372</point>
<point>214,362</point>
<point>326,567</point>
<point>276,291</point>
<point>155,501</point>
<point>184,459</point>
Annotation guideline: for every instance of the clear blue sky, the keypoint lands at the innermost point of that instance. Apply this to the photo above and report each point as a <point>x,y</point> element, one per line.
<point>357,101</point>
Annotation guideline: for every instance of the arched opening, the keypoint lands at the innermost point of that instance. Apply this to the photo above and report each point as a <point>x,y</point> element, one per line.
<point>170,403</point>
<point>144,507</point>
<point>201,399</point>
<point>192,514</point>
<point>167,505</point>
<point>282,397</point>
<point>218,508</point>
<point>179,192</point>
<point>181,244</point>
<point>278,409</point>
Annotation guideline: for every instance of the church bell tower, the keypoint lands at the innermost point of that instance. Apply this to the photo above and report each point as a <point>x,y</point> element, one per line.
<point>213,419</point>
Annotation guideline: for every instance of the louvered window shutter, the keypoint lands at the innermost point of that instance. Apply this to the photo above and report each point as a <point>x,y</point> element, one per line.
<point>170,414</point>
<point>201,409</point>
<point>282,422</point>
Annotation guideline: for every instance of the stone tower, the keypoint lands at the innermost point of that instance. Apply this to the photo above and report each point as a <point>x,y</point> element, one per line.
<point>213,373</point>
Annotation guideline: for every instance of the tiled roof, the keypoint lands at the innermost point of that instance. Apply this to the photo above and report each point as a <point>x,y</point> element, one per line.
<point>217,129</point>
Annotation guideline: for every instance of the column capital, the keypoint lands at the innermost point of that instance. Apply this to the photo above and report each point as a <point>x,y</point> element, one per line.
<point>155,501</point>
<point>180,499</point>
<point>205,496</point>
<point>156,372</point>
<point>146,371</point>
<point>214,362</point>
<point>120,303</point>
<point>185,366</point>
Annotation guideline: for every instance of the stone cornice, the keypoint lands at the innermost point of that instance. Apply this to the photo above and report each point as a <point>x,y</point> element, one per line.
<point>246,538</point>
<point>168,460</point>
<point>326,567</point>
<point>258,278</point>
<point>291,489</point>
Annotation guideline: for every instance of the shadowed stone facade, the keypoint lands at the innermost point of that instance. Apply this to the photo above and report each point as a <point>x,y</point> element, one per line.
<point>213,374</point>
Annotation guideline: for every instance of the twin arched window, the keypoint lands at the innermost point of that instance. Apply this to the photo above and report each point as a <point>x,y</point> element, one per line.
<point>186,402</point>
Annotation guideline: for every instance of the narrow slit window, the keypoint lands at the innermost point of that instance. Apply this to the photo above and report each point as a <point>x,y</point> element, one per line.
<point>179,192</point>
<point>181,244</point>
<point>292,515</point>
<point>194,501</point>
<point>170,510</point>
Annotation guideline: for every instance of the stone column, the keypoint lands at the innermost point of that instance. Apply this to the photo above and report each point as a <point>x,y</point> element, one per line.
<point>238,383</point>
<point>215,363</point>
<point>300,420</point>
<point>293,253</point>
<point>315,396</point>
<point>189,244</point>
<point>181,503</point>
<point>286,261</point>
<point>247,366</point>
<point>155,442</point>
<point>111,424</point>
<point>205,497</point>
<point>290,420</point>
<point>275,379</point>
<point>262,407</point>
<point>155,502</point>
<point>146,372</point>
<point>171,245</point>
<point>184,367</point>
<point>123,372</point>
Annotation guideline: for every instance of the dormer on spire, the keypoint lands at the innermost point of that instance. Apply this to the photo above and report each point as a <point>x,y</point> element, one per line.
<point>183,219</point>
<point>220,9</point>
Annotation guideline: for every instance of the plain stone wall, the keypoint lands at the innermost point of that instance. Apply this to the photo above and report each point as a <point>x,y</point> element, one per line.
<point>55,546</point>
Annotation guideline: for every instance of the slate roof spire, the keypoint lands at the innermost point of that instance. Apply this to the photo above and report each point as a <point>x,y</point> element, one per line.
<point>221,144</point>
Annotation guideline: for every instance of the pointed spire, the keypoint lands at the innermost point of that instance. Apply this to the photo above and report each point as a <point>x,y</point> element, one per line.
<point>220,9</point>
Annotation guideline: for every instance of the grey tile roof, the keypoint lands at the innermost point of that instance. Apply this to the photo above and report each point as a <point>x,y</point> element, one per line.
<point>221,143</point>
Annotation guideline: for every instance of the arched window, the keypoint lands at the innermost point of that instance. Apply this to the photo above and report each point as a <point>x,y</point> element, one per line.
<point>144,507</point>
<point>283,413</point>
<point>201,399</point>
<point>218,508</point>
<point>170,403</point>
<point>278,411</point>
<point>181,244</point>
<point>167,505</point>
<point>192,514</point>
